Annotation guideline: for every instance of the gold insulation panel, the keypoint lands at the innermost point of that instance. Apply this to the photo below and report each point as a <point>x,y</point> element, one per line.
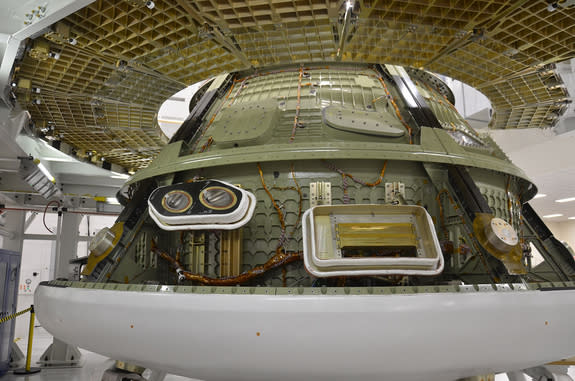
<point>231,252</point>
<point>103,92</point>
<point>512,259</point>
<point>375,235</point>
<point>194,254</point>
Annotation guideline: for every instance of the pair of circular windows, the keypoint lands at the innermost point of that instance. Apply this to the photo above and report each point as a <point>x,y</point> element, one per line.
<point>214,197</point>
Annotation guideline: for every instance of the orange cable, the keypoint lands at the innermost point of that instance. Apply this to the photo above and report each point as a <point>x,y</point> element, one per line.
<point>213,118</point>
<point>280,213</point>
<point>278,260</point>
<point>230,91</point>
<point>300,199</point>
<point>298,105</point>
<point>397,109</point>
<point>371,185</point>
<point>208,144</point>
<point>441,213</point>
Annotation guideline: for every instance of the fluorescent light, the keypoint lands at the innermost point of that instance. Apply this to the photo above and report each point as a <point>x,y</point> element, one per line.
<point>540,195</point>
<point>566,199</point>
<point>571,218</point>
<point>116,175</point>
<point>112,200</point>
<point>552,215</point>
<point>46,172</point>
<point>57,159</point>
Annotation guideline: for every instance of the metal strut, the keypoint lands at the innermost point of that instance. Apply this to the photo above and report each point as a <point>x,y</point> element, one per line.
<point>414,101</point>
<point>559,258</point>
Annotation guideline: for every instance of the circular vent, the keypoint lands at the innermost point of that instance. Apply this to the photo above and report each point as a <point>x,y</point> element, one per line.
<point>177,201</point>
<point>218,198</point>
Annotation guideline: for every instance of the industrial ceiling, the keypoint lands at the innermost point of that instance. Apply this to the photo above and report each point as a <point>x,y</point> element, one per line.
<point>96,79</point>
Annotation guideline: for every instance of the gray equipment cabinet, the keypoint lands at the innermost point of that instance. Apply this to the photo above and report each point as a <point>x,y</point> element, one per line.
<point>9,278</point>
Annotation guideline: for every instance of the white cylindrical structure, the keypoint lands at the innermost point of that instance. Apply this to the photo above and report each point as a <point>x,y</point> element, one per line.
<point>215,336</point>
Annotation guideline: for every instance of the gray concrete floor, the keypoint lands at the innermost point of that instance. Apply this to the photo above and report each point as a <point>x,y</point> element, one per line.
<point>93,367</point>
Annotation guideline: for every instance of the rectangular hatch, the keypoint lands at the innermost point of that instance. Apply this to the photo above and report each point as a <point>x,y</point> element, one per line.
<point>347,240</point>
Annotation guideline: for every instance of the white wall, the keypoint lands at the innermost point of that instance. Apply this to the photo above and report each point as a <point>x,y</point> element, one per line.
<point>36,259</point>
<point>564,231</point>
<point>468,100</point>
<point>175,109</point>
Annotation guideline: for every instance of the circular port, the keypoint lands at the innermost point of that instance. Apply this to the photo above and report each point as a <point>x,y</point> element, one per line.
<point>177,201</point>
<point>218,198</point>
<point>501,234</point>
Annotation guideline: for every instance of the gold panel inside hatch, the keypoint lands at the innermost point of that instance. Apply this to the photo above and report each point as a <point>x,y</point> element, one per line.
<point>359,238</point>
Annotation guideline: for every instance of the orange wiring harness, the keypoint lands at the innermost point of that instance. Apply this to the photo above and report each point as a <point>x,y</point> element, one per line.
<point>472,238</point>
<point>277,208</point>
<point>208,144</point>
<point>281,216</point>
<point>280,259</point>
<point>441,213</point>
<point>298,106</point>
<point>297,188</point>
<point>345,174</point>
<point>409,130</point>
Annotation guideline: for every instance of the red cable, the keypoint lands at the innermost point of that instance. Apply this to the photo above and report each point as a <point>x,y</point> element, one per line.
<point>44,215</point>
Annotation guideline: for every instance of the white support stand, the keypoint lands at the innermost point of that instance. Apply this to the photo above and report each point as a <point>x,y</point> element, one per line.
<point>17,357</point>
<point>549,373</point>
<point>60,354</point>
<point>517,376</point>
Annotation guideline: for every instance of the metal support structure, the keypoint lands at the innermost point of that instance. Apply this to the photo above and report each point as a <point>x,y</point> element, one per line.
<point>29,220</point>
<point>344,29</point>
<point>549,373</point>
<point>7,233</point>
<point>516,376</point>
<point>414,101</point>
<point>17,358</point>
<point>60,354</point>
<point>56,268</point>
<point>54,10</point>
<point>215,33</point>
<point>15,225</point>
